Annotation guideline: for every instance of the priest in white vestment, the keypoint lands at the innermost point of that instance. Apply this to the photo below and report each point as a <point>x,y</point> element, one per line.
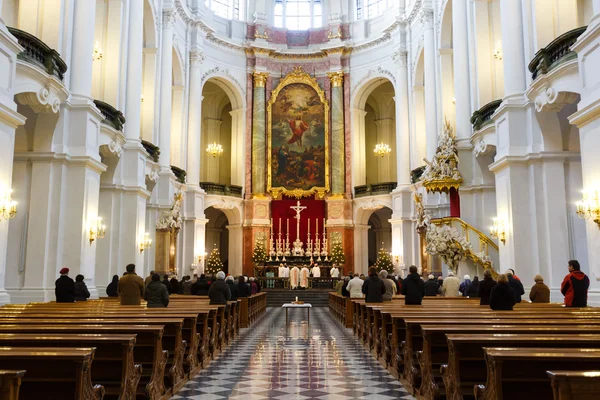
<point>316,271</point>
<point>334,272</point>
<point>294,277</point>
<point>280,272</point>
<point>304,274</point>
<point>286,271</point>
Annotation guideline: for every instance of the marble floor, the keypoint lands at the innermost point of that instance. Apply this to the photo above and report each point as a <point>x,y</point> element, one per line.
<point>320,360</point>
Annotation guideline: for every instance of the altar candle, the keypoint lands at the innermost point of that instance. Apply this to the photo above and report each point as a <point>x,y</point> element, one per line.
<point>296,298</point>
<point>271,222</point>
<point>288,226</point>
<point>280,225</point>
<point>317,227</point>
<point>323,225</point>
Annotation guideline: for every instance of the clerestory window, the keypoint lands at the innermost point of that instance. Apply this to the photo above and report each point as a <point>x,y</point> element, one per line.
<point>298,15</point>
<point>229,9</point>
<point>366,9</point>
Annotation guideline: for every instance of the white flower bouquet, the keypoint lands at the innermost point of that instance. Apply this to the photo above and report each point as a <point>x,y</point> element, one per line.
<point>447,243</point>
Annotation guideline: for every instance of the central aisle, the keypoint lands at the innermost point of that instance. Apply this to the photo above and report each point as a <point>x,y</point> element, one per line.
<point>320,361</point>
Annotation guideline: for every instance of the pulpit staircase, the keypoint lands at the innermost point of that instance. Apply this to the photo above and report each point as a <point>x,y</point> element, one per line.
<point>485,252</point>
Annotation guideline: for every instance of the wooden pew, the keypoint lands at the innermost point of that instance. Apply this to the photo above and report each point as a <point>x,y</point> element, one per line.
<point>148,350</point>
<point>575,385</point>
<point>520,373</point>
<point>114,367</point>
<point>53,374</point>
<point>10,383</point>
<point>461,359</point>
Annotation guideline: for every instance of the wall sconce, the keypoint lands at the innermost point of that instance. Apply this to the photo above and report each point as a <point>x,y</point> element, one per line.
<point>8,207</point>
<point>142,98</point>
<point>588,207</point>
<point>498,50</point>
<point>146,242</point>
<point>97,55</point>
<point>97,230</point>
<point>498,230</point>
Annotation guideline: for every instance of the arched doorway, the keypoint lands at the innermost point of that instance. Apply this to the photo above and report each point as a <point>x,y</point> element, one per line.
<point>380,233</point>
<point>217,235</point>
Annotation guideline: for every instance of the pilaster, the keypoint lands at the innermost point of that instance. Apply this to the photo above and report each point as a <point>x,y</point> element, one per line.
<point>258,135</point>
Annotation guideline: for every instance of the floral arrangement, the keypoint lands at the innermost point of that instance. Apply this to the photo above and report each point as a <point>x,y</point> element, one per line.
<point>447,243</point>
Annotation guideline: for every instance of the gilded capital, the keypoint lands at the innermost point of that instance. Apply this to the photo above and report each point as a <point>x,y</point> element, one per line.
<point>336,78</point>
<point>260,79</point>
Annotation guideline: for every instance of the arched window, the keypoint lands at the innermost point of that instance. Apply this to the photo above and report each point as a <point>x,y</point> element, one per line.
<point>366,9</point>
<point>229,9</point>
<point>298,15</point>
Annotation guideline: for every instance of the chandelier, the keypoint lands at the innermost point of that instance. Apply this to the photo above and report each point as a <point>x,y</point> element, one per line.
<point>97,230</point>
<point>8,207</point>
<point>588,207</point>
<point>97,55</point>
<point>214,149</point>
<point>382,150</point>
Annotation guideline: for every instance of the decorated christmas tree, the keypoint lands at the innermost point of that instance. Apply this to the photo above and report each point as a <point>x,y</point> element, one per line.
<point>259,255</point>
<point>337,252</point>
<point>384,261</point>
<point>214,263</point>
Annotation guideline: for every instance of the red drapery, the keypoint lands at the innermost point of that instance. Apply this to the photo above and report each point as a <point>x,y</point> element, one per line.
<point>454,203</point>
<point>314,212</point>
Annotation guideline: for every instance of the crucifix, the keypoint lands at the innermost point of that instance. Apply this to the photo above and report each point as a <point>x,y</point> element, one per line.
<point>297,243</point>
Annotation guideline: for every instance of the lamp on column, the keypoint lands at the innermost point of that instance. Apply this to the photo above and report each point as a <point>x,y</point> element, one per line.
<point>8,207</point>
<point>498,50</point>
<point>97,55</point>
<point>498,230</point>
<point>146,242</point>
<point>588,207</point>
<point>214,149</point>
<point>97,230</point>
<point>382,150</point>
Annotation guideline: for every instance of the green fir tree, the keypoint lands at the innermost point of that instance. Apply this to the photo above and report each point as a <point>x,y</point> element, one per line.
<point>337,252</point>
<point>384,261</point>
<point>259,256</point>
<point>214,263</point>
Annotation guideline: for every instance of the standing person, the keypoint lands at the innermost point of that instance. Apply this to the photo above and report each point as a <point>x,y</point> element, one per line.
<point>451,285</point>
<point>175,286</point>
<point>413,287</point>
<point>219,291</point>
<point>540,293</point>
<point>233,288</point>
<point>111,289</point>
<point>187,285</point>
<point>157,294</point>
<point>485,288</point>
<point>148,278</point>
<point>464,286</point>
<point>512,271</point>
<point>254,288</point>
<point>194,278</point>
<point>64,287</point>
<point>441,284</point>
<point>81,292</point>
<point>131,287</point>
<point>243,288</point>
<point>390,286</point>
<point>431,287</point>
<point>502,296</point>
<point>575,286</point>
<point>345,291</point>
<point>373,288</point>
<point>166,282</point>
<point>474,287</point>
<point>515,285</point>
<point>200,288</point>
<point>354,287</point>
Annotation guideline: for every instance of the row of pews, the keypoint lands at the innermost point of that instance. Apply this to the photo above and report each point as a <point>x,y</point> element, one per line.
<point>454,348</point>
<point>100,349</point>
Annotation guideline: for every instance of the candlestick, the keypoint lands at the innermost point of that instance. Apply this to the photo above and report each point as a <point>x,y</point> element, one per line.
<point>323,225</point>
<point>280,225</point>
<point>287,229</point>
<point>317,227</point>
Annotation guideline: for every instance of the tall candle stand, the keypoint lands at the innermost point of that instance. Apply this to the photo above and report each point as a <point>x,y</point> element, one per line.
<point>324,251</point>
<point>287,252</point>
<point>317,243</point>
<point>272,251</point>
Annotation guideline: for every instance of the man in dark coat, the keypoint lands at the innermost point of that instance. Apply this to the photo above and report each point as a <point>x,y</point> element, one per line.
<point>233,288</point>
<point>219,291</point>
<point>431,287</point>
<point>200,287</point>
<point>485,288</point>
<point>502,296</point>
<point>575,286</point>
<point>243,287</point>
<point>515,285</point>
<point>373,288</point>
<point>156,294</point>
<point>413,287</point>
<point>81,292</point>
<point>64,288</point>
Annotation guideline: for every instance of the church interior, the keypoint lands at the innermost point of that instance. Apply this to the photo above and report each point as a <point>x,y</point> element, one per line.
<point>302,151</point>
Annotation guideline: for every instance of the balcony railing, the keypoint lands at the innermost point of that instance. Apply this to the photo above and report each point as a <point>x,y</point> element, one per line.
<point>38,53</point>
<point>483,116</point>
<point>112,116</point>
<point>556,53</point>
<point>374,189</point>
<point>152,149</point>
<point>218,188</point>
<point>179,174</point>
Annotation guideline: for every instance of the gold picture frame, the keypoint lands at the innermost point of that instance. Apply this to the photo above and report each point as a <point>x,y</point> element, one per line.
<point>298,75</point>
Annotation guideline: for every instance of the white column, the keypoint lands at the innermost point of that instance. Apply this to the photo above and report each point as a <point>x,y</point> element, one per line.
<point>358,145</point>
<point>430,87</point>
<point>460,46</point>
<point>166,84</point>
<point>402,122</point>
<point>149,91</point>
<point>83,48</point>
<point>195,120</point>
<point>133,106</point>
<point>177,149</point>
<point>515,68</point>
<point>238,119</point>
<point>361,250</point>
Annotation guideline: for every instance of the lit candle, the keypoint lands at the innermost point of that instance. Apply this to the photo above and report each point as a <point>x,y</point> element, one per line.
<point>323,225</point>
<point>280,225</point>
<point>288,226</point>
<point>316,227</point>
<point>296,298</point>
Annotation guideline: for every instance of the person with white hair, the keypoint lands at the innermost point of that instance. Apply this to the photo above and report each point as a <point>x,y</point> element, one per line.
<point>219,291</point>
<point>431,286</point>
<point>465,285</point>
<point>390,286</point>
<point>451,285</point>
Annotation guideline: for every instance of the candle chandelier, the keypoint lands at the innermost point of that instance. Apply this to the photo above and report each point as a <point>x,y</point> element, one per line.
<point>589,206</point>
<point>214,149</point>
<point>97,55</point>
<point>8,207</point>
<point>382,150</point>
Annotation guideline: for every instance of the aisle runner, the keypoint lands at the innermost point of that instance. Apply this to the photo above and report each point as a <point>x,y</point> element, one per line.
<point>270,361</point>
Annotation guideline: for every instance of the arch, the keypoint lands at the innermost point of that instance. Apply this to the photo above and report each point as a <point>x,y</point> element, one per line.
<point>380,232</point>
<point>230,86</point>
<point>231,208</point>
<point>216,234</point>
<point>364,89</point>
<point>445,38</point>
<point>150,34</point>
<point>419,71</point>
<point>364,209</point>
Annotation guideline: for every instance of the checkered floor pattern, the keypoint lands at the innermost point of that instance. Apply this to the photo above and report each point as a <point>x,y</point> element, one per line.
<point>319,360</point>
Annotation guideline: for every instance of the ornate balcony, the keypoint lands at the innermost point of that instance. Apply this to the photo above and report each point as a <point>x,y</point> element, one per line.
<point>483,116</point>
<point>556,53</point>
<point>374,189</point>
<point>152,149</point>
<point>179,174</point>
<point>112,116</point>
<point>218,188</point>
<point>38,53</point>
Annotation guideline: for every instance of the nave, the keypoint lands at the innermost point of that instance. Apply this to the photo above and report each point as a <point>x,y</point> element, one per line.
<point>319,360</point>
